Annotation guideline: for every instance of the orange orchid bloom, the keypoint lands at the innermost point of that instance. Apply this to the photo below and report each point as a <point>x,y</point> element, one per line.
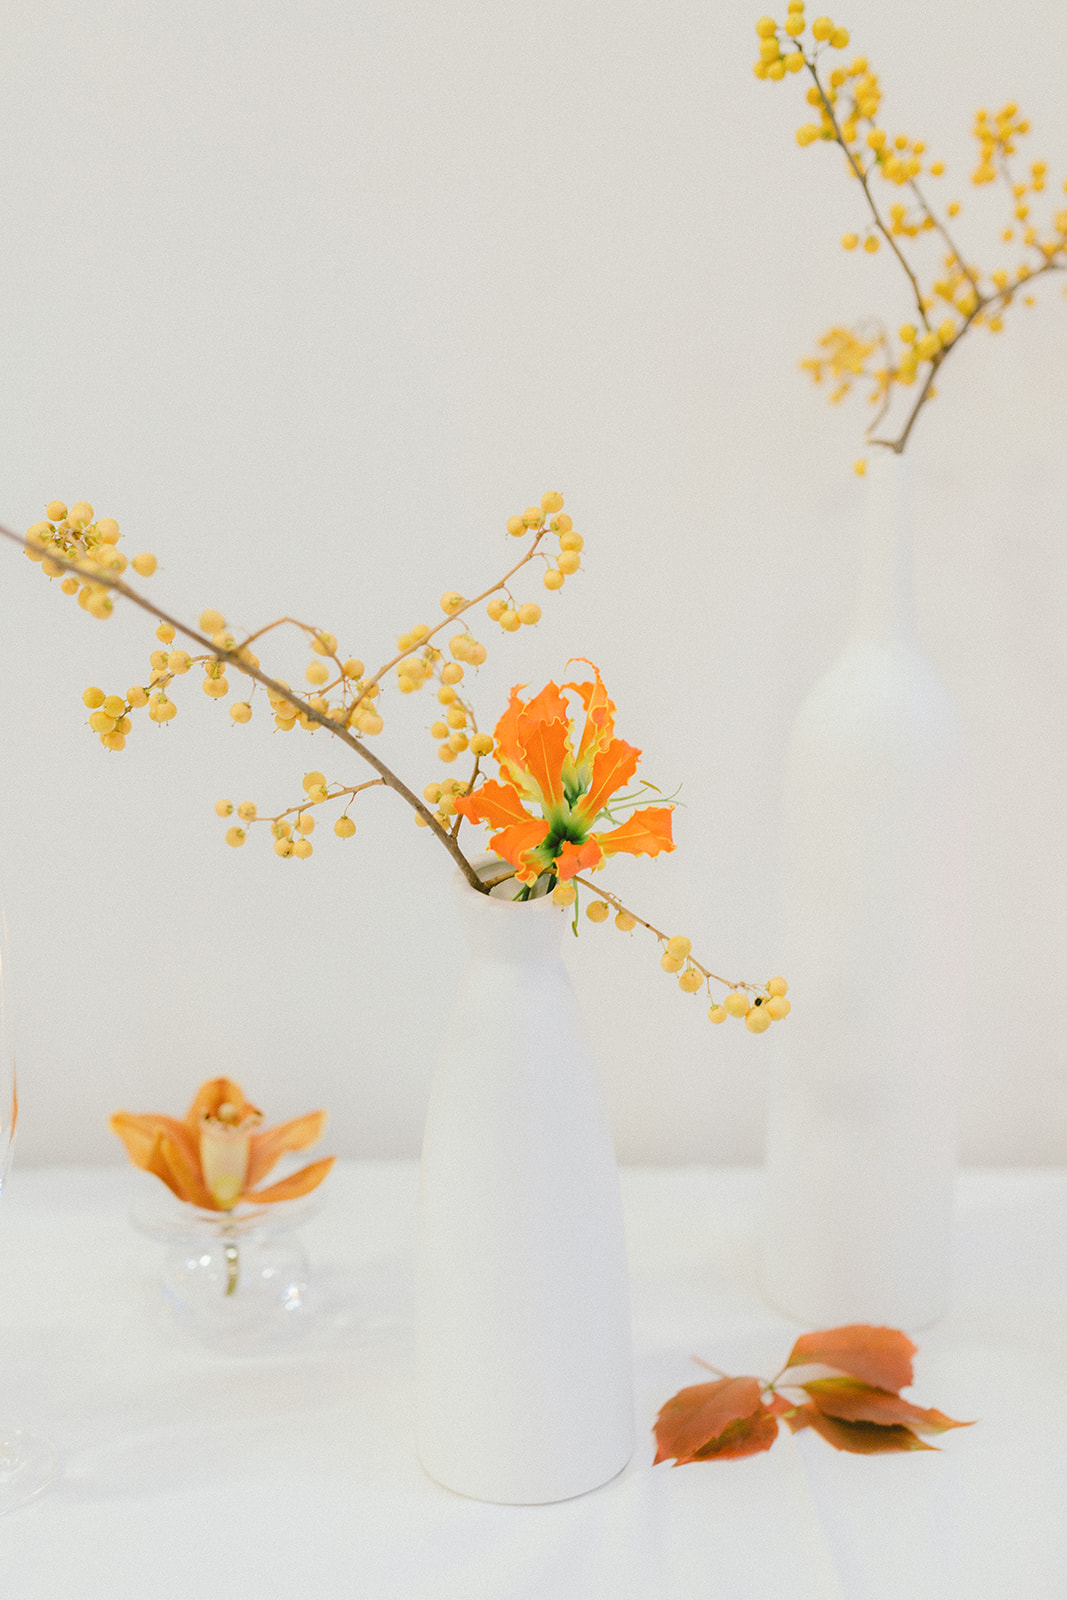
<point>215,1157</point>
<point>538,760</point>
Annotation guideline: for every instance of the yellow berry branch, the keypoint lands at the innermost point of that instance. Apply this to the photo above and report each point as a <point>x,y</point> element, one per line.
<point>770,1004</point>
<point>851,122</point>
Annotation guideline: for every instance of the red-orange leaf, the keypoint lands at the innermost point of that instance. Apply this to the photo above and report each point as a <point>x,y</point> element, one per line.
<point>860,1438</point>
<point>852,1401</point>
<point>696,1417</point>
<point>745,1437</point>
<point>879,1356</point>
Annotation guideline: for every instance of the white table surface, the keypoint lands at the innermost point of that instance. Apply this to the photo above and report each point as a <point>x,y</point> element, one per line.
<point>188,1474</point>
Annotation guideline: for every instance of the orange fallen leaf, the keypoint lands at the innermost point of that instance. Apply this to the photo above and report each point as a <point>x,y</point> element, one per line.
<point>880,1356</point>
<point>694,1423</point>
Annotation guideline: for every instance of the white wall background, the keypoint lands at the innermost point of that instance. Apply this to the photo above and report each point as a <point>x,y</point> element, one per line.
<point>310,298</point>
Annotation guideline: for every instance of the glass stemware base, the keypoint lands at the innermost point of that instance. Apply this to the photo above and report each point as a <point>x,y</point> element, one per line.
<point>28,1464</point>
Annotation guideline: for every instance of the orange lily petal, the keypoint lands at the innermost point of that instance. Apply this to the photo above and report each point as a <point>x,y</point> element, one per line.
<point>513,843</point>
<point>272,1142</point>
<point>496,803</point>
<point>508,752</point>
<point>545,745</point>
<point>646,833</point>
<point>613,767</point>
<point>599,714</point>
<point>218,1092</point>
<point>574,858</point>
<point>296,1184</point>
<point>139,1133</point>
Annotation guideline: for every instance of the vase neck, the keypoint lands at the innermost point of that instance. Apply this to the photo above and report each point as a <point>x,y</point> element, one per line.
<point>886,609</point>
<point>503,931</point>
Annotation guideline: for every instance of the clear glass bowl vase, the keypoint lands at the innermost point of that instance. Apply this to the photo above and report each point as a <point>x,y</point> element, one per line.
<point>235,1281</point>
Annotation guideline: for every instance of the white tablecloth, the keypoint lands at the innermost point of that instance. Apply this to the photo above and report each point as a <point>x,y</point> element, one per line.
<point>188,1474</point>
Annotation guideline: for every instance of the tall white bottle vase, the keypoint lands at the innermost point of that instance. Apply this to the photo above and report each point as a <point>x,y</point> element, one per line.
<point>861,1146</point>
<point>523,1344</point>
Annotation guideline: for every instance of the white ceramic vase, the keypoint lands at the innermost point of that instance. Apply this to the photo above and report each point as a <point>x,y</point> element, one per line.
<point>524,1365</point>
<point>862,1138</point>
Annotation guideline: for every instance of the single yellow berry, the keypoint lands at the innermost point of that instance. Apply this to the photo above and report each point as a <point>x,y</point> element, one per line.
<point>100,722</point>
<point>776,70</point>
<point>554,579</point>
<point>283,848</point>
<point>69,585</point>
<point>432,793</point>
<point>136,695</point>
<point>114,706</point>
<point>679,946</point>
<point>482,745</point>
<point>953,209</point>
<point>179,662</point>
<point>439,729</point>
<point>215,688</point>
<point>113,741</point>
<point>303,848</point>
<point>246,810</point>
<point>568,561</point>
<point>690,981</point>
<point>564,894</point>
<point>860,467</point>
<point>165,633</point>
<point>778,1008</point>
<point>839,38</point>
<point>496,608</point>
<point>476,654</point>
<point>446,753</point>
<point>562,523</point>
<point>100,605</point>
<point>758,1020</point>
<point>766,27</point>
<point>280,829</point>
<point>241,712</point>
<point>571,541</point>
<point>850,240</point>
<point>737,1003</point>
<point>55,511</point>
<point>717,1014</point>
<point>870,244</point>
<point>305,822</point>
<point>459,644</point>
<point>794,61</point>
<point>235,836</point>
<point>768,51</point>
<point>937,168</point>
<point>93,698</point>
<point>344,827</point>
<point>822,28</point>
<point>79,516</point>
<point>597,911</point>
<point>509,621</point>
<point>317,672</point>
<point>107,530</point>
<point>458,742</point>
<point>533,516</point>
<point>529,613</point>
<point>224,808</point>
<point>794,24</point>
<point>145,564</point>
<point>516,526</point>
<point>312,780</point>
<point>211,621</point>
<point>353,667</point>
<point>551,501</point>
<point>625,921</point>
<point>671,963</point>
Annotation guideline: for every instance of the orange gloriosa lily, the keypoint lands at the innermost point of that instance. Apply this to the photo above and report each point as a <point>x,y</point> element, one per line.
<point>540,766</point>
<point>215,1156</point>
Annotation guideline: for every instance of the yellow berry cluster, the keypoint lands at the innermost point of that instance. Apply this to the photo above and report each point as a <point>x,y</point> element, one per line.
<point>72,536</point>
<point>291,839</point>
<point>848,102</point>
<point>779,51</point>
<point>549,515</point>
<point>444,797</point>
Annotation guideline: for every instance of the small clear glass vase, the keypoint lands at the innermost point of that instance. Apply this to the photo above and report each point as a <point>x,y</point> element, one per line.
<point>235,1281</point>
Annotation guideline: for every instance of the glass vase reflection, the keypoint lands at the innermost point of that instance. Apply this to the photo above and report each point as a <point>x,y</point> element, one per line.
<point>235,1281</point>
